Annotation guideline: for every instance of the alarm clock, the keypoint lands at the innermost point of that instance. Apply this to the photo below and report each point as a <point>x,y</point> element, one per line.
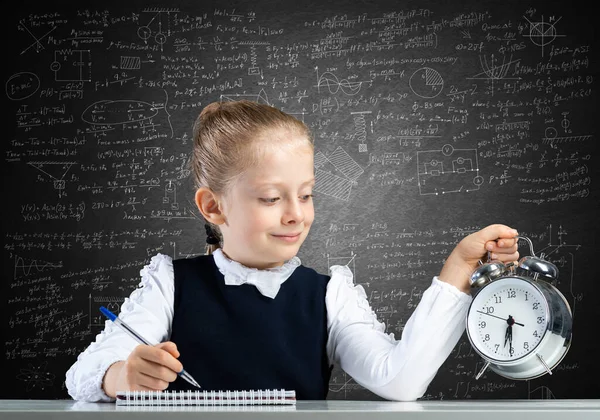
<point>518,321</point>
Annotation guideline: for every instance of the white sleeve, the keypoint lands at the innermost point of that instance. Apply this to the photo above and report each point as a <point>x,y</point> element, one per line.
<point>393,369</point>
<point>148,310</point>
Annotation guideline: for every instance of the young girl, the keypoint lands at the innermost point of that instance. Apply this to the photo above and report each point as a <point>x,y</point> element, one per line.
<point>249,315</point>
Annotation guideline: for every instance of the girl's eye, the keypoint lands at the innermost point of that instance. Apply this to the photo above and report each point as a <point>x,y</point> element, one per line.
<point>269,200</point>
<point>306,197</point>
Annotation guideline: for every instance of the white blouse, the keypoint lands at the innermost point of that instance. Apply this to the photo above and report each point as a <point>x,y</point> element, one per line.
<point>393,369</point>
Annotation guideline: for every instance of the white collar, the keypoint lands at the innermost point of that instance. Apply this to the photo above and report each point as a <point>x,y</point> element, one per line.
<point>267,281</point>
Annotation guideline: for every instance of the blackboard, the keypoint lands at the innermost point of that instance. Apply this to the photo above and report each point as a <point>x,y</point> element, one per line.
<point>430,120</point>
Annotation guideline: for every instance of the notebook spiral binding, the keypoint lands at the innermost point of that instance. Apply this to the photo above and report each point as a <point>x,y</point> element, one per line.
<point>213,398</point>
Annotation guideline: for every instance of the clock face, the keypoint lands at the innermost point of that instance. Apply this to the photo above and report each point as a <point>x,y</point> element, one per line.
<point>507,319</point>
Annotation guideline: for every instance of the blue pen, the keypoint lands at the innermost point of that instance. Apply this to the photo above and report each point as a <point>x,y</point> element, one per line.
<point>141,339</point>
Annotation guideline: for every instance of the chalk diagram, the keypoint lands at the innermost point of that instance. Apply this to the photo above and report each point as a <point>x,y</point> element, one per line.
<point>426,83</point>
<point>254,69</point>
<point>327,182</point>
<point>343,383</point>
<point>36,376</point>
<point>346,260</point>
<point>299,115</point>
<point>170,196</point>
<point>154,30</point>
<point>448,170</point>
<point>56,171</point>
<point>72,66</point>
<point>128,62</point>
<point>37,265</point>
<point>360,129</point>
<point>260,97</point>
<point>340,381</point>
<point>539,393</point>
<point>494,71</point>
<point>334,85</point>
<point>559,253</point>
<point>542,33</point>
<point>96,319</point>
<point>36,44</point>
<point>552,138</point>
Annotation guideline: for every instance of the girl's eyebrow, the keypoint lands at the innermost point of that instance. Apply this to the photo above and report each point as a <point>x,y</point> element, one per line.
<point>279,184</point>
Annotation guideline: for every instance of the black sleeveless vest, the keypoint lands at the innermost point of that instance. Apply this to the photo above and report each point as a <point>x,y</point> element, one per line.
<point>234,338</point>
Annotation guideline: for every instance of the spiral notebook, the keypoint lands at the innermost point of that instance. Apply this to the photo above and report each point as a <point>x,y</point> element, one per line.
<point>176,398</point>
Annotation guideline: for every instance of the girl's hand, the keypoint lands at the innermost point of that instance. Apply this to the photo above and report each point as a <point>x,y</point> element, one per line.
<point>148,368</point>
<point>498,239</point>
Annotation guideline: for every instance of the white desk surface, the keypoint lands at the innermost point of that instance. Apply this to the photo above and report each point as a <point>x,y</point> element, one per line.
<point>314,410</point>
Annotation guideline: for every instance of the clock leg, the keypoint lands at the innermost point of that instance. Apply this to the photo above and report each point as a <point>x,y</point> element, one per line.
<point>483,369</point>
<point>544,363</point>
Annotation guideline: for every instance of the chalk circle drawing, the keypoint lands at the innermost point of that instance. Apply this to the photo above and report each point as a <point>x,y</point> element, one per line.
<point>426,83</point>
<point>145,32</point>
<point>542,33</point>
<point>122,111</point>
<point>551,132</point>
<point>21,86</point>
<point>36,376</point>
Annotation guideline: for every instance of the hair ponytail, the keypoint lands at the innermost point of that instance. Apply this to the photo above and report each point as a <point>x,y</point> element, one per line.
<point>213,242</point>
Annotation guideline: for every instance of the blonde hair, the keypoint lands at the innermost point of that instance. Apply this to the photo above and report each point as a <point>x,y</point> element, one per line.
<point>226,136</point>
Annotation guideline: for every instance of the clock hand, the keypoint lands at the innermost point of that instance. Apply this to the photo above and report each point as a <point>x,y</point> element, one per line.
<point>506,335</point>
<point>499,317</point>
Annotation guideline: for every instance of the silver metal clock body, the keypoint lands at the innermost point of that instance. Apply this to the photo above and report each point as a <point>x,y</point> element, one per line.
<point>534,312</point>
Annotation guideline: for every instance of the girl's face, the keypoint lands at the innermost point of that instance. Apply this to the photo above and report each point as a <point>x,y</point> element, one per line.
<point>269,209</point>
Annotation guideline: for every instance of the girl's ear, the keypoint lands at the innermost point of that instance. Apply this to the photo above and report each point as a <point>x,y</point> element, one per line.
<point>208,204</point>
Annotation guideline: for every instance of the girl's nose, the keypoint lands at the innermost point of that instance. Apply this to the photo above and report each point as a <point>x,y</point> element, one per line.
<point>293,213</point>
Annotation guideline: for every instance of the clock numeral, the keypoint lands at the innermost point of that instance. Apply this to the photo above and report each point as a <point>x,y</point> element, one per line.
<point>535,334</point>
<point>486,337</point>
<point>536,305</point>
<point>511,351</point>
<point>488,309</point>
<point>498,299</point>
<point>526,296</point>
<point>540,319</point>
<point>511,294</point>
<point>497,346</point>
<point>482,324</point>
<point>526,345</point>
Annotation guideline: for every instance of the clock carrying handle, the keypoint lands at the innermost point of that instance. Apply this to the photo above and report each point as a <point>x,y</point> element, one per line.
<point>530,243</point>
<point>537,267</point>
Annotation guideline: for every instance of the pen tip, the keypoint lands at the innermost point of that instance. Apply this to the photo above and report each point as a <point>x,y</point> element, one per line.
<point>108,313</point>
